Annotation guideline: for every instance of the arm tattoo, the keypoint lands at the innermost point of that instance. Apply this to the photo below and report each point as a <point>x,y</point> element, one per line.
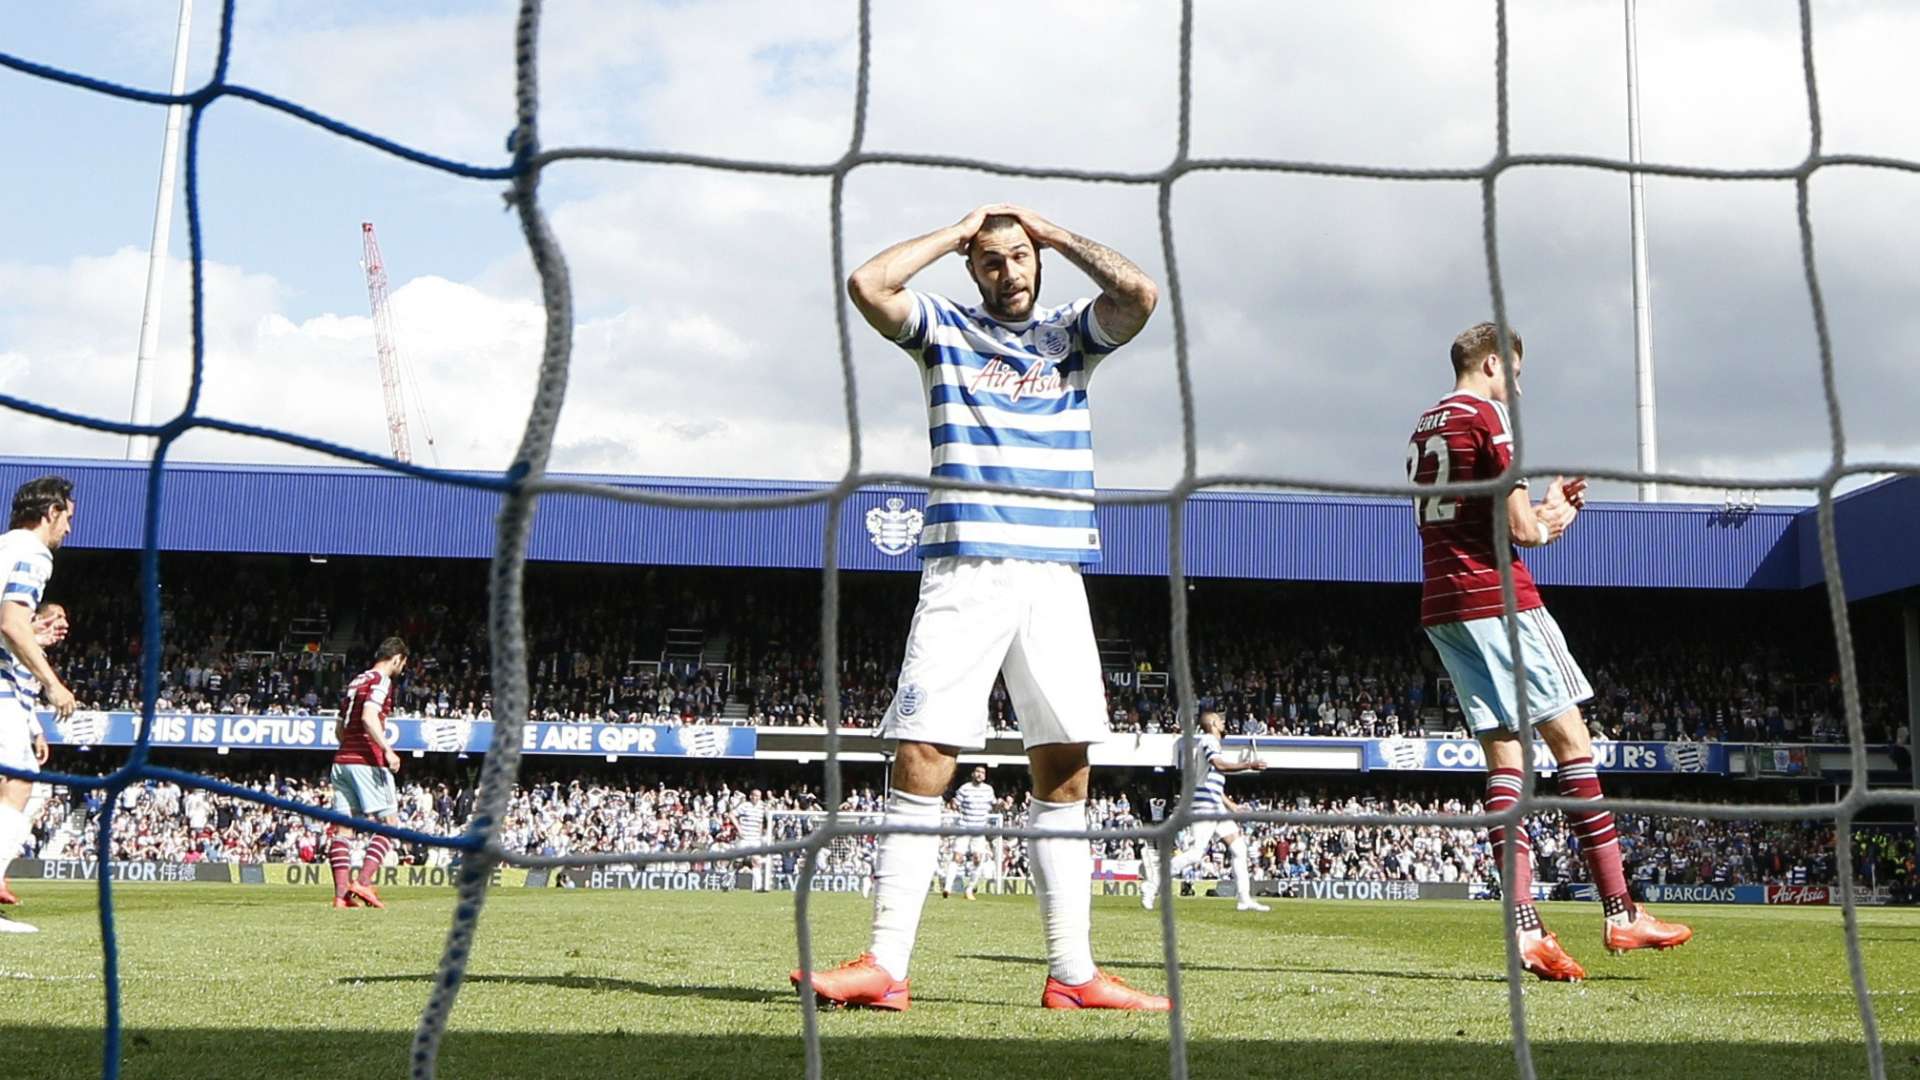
<point>1127,295</point>
<point>1104,265</point>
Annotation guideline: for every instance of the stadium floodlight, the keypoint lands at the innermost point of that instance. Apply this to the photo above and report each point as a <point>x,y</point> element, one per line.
<point>141,446</point>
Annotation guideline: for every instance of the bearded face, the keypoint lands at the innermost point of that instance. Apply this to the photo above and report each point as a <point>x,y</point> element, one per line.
<point>1006,269</point>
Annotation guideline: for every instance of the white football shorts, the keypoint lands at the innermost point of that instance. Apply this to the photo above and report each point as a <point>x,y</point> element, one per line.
<point>1201,834</point>
<point>16,732</point>
<point>978,618</point>
<point>1477,657</point>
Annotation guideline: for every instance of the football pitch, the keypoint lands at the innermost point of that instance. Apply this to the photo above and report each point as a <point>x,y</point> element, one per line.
<point>231,982</point>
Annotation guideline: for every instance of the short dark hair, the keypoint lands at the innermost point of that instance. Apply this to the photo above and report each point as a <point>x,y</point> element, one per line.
<point>391,648</point>
<point>37,499</point>
<point>994,223</point>
<point>1480,339</point>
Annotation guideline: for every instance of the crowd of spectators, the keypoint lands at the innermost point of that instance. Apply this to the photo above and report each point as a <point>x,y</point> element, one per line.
<point>697,817</point>
<point>273,635</point>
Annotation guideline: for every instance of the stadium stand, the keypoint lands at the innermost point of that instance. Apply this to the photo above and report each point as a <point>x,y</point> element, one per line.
<point>1281,660</point>
<point>687,811</point>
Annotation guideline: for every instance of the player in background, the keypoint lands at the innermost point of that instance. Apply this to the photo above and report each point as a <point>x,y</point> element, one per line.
<point>42,515</point>
<point>750,829</point>
<point>1465,437</point>
<point>1000,587</point>
<point>1209,797</point>
<point>975,854</point>
<point>363,771</point>
<point>50,628</point>
<point>950,872</point>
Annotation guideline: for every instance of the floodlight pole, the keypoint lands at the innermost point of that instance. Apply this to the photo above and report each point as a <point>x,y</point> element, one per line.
<point>140,447</point>
<point>1649,457</point>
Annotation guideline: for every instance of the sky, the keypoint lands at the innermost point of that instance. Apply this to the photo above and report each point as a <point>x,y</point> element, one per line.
<point>1319,310</point>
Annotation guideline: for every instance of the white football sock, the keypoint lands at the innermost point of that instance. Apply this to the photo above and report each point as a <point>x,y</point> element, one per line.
<point>13,834</point>
<point>1062,877</point>
<point>900,873</point>
<point>1237,847</point>
<point>1149,876</point>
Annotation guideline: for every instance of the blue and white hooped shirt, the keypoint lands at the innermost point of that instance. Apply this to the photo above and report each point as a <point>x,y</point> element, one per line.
<point>1007,404</point>
<point>1210,790</point>
<point>27,566</point>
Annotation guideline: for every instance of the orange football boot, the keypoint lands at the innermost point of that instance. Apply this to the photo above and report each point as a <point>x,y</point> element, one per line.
<point>1544,957</point>
<point>364,894</point>
<point>1103,991</point>
<point>858,982</point>
<point>1645,932</point>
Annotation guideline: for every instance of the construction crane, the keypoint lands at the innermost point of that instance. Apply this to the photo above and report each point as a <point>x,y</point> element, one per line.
<point>392,368</point>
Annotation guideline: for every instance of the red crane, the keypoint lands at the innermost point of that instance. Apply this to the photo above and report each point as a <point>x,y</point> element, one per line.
<point>390,369</point>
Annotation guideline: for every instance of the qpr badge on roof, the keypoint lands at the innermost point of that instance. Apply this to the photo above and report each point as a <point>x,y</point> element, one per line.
<point>895,527</point>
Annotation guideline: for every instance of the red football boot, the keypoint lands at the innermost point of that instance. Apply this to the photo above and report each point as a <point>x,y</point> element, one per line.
<point>341,903</point>
<point>1103,991</point>
<point>1645,932</point>
<point>1544,957</point>
<point>6,894</point>
<point>856,983</point>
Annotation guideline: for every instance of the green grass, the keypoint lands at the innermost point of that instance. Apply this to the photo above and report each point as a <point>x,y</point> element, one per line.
<point>229,981</point>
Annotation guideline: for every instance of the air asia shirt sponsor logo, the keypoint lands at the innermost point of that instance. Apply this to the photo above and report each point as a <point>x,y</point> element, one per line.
<point>999,377</point>
<point>1799,894</point>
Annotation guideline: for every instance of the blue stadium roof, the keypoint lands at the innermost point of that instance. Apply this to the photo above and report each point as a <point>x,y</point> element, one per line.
<point>331,510</point>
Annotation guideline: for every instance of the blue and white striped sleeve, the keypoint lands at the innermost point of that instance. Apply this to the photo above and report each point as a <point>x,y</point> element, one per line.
<point>915,332</point>
<point>27,580</point>
<point>1094,341</point>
